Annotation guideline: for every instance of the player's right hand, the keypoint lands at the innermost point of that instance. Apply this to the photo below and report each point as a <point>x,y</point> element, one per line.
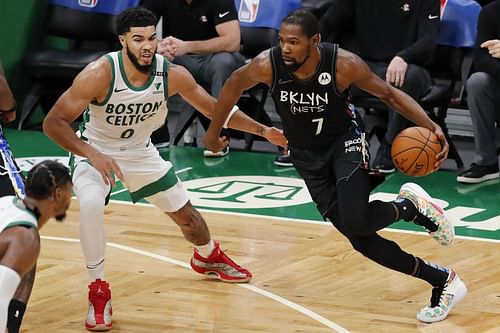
<point>107,167</point>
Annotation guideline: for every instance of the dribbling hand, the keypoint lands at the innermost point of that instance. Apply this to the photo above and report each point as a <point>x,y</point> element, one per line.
<point>443,154</point>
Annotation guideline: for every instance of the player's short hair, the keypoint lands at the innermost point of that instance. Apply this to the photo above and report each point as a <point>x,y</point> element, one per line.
<point>45,177</point>
<point>305,19</point>
<point>134,17</point>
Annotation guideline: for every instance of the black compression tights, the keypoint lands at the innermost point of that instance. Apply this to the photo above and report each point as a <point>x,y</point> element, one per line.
<point>359,221</point>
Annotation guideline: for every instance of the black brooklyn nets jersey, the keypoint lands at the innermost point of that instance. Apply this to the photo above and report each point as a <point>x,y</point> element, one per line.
<point>313,112</point>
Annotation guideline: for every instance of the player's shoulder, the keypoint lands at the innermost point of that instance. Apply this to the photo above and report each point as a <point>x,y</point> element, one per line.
<point>99,69</point>
<point>348,61</point>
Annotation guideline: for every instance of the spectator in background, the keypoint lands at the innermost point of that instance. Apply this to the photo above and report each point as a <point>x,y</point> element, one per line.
<point>413,27</point>
<point>203,36</point>
<point>483,89</point>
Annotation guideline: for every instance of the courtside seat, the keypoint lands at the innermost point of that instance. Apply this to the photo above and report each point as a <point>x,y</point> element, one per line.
<point>90,35</point>
<point>448,69</point>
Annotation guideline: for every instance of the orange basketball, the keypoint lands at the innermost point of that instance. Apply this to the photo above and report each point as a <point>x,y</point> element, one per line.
<point>414,151</point>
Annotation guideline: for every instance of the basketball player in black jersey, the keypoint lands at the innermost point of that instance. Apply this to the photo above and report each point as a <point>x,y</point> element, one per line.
<point>309,82</point>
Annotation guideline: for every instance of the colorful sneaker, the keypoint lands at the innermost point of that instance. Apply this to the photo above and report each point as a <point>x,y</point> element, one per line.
<point>219,265</point>
<point>445,233</point>
<point>443,299</point>
<point>100,311</point>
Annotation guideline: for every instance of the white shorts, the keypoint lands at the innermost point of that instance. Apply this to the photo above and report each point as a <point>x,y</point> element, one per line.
<point>146,174</point>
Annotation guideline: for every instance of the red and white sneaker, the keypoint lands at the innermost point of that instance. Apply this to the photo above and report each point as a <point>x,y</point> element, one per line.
<point>100,311</point>
<point>218,265</point>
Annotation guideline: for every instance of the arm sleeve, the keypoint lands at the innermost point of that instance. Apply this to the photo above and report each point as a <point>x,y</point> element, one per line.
<point>486,30</point>
<point>337,16</point>
<point>224,11</point>
<point>427,34</point>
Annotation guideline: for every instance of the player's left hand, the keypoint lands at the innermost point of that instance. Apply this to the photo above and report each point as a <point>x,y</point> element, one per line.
<point>443,154</point>
<point>276,137</point>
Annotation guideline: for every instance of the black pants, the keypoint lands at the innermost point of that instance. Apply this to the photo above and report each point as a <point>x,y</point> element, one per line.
<point>359,220</point>
<point>340,183</point>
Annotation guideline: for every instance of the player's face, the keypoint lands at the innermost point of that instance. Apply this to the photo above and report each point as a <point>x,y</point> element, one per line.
<point>141,44</point>
<point>295,46</point>
<point>62,200</point>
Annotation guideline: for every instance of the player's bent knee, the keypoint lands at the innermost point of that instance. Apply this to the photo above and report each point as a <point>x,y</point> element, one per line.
<point>91,201</point>
<point>187,217</point>
<point>356,223</point>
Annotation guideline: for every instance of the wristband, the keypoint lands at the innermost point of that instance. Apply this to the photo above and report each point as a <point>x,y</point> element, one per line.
<point>15,315</point>
<point>230,115</point>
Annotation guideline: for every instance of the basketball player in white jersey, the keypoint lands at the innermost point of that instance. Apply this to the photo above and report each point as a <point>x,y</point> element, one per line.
<point>124,95</point>
<point>12,183</point>
<point>48,194</point>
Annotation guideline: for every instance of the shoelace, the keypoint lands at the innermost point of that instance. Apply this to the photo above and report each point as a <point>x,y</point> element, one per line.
<point>437,294</point>
<point>226,258</point>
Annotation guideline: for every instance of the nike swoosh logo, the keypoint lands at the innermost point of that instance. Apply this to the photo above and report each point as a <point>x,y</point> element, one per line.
<point>118,90</point>
<point>284,81</point>
<point>433,17</point>
<point>221,15</point>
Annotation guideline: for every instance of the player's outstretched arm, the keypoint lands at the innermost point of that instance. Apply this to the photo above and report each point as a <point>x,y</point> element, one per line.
<point>92,83</point>
<point>259,70</point>
<point>353,70</point>
<point>182,82</point>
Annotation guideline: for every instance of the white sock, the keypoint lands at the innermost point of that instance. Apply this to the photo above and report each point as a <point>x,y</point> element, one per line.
<point>205,250</point>
<point>95,270</point>
<point>9,280</point>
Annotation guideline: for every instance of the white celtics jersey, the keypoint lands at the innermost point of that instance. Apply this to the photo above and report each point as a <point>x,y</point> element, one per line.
<point>128,115</point>
<point>14,213</point>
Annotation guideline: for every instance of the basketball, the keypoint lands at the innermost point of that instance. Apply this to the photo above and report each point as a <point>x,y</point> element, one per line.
<point>414,151</point>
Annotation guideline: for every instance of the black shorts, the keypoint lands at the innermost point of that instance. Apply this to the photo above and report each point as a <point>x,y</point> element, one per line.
<point>323,169</point>
<point>11,178</point>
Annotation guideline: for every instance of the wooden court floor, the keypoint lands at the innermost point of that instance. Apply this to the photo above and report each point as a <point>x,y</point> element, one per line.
<point>306,279</point>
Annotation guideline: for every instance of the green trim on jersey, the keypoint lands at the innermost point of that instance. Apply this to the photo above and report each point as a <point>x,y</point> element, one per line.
<point>165,78</point>
<point>20,204</point>
<point>125,78</point>
<point>162,184</point>
<point>27,224</point>
<point>82,127</point>
<point>110,88</point>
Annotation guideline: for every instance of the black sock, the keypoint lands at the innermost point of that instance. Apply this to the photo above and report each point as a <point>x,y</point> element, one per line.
<point>15,317</point>
<point>406,209</point>
<point>432,273</point>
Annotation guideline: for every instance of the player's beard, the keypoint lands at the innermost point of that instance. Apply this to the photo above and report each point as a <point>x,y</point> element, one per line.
<point>146,69</point>
<point>60,217</point>
<point>296,65</point>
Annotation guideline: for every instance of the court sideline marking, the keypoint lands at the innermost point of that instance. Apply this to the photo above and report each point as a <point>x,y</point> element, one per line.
<point>337,328</point>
